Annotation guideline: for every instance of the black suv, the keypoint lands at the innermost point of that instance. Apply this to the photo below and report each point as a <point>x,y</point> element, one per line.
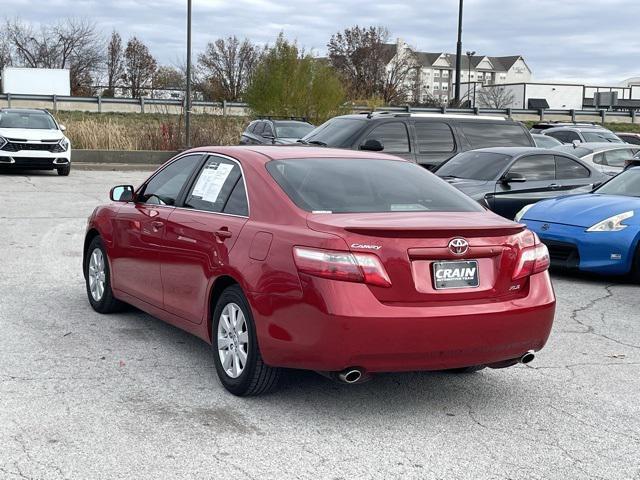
<point>275,132</point>
<point>425,138</point>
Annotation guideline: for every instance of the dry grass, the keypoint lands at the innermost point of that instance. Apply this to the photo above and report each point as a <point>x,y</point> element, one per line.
<point>147,131</point>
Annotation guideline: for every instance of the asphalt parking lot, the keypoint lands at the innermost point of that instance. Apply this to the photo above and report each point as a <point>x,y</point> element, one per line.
<point>85,396</point>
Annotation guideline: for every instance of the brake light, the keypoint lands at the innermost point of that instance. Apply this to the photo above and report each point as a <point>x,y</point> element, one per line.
<point>345,266</point>
<point>532,260</point>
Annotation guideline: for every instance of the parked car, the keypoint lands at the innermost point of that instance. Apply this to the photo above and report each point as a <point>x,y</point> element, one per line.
<point>608,158</point>
<point>32,139</point>
<point>541,126</point>
<point>347,263</point>
<point>506,179</point>
<point>597,231</point>
<point>424,138</point>
<point>274,132</point>
<point>545,141</point>
<point>629,137</point>
<point>582,134</point>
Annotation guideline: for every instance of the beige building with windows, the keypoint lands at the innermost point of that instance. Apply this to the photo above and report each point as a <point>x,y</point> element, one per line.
<point>435,72</point>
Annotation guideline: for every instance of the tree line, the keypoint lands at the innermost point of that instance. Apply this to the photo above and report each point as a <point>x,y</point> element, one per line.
<point>278,79</point>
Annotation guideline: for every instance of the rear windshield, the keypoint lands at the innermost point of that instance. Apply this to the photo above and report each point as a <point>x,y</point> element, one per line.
<point>475,166</point>
<point>627,184</point>
<point>29,120</point>
<point>483,135</point>
<point>338,185</point>
<point>600,136</point>
<point>337,132</point>
<point>292,129</point>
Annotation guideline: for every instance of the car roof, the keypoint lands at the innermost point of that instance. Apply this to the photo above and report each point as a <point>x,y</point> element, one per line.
<point>598,146</point>
<point>24,110</point>
<point>578,128</point>
<point>515,151</point>
<point>266,153</point>
<point>372,116</point>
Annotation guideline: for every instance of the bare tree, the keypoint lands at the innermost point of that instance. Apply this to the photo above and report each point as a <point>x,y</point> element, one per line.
<point>227,65</point>
<point>6,53</point>
<point>140,66</point>
<point>495,97</point>
<point>398,79</point>
<point>366,63</point>
<point>70,43</point>
<point>169,78</point>
<point>115,63</point>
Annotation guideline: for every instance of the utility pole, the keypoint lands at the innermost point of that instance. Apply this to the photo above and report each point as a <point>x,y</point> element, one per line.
<point>187,103</point>
<point>459,55</point>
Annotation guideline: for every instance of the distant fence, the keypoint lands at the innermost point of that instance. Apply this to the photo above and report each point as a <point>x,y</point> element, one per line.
<point>175,106</point>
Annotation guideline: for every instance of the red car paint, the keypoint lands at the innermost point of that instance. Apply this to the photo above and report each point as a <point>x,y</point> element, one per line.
<point>171,262</point>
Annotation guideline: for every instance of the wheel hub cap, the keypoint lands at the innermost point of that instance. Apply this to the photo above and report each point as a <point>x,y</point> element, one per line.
<point>233,340</point>
<point>97,275</point>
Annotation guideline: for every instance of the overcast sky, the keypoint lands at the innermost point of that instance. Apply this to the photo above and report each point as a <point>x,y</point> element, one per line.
<point>590,41</point>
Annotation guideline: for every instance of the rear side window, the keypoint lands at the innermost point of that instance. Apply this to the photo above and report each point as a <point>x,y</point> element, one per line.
<point>565,137</point>
<point>214,185</point>
<point>482,135</point>
<point>535,167</point>
<point>617,158</point>
<point>259,128</point>
<point>339,185</point>
<point>268,129</point>
<point>337,132</point>
<point>434,137</point>
<point>393,135</point>
<point>567,168</point>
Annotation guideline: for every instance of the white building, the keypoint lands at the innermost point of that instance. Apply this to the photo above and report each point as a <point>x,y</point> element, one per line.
<point>437,71</point>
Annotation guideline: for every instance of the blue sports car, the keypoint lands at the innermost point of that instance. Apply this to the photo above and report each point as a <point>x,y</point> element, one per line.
<point>597,231</point>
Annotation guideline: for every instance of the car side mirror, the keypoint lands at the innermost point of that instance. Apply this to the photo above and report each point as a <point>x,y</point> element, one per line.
<point>513,177</point>
<point>62,128</point>
<point>372,145</point>
<point>576,143</point>
<point>122,193</point>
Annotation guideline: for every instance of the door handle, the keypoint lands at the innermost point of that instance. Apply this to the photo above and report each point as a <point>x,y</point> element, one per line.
<point>223,233</point>
<point>554,186</point>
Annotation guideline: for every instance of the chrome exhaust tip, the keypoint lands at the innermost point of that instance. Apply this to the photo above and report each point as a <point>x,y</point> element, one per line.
<point>527,357</point>
<point>350,375</point>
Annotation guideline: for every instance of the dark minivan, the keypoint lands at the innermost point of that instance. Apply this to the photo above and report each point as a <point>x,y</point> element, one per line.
<point>425,138</point>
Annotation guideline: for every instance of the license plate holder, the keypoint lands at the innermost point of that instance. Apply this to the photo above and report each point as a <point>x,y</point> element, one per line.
<point>449,275</point>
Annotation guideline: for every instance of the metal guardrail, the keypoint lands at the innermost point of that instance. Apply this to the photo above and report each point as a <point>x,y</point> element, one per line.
<point>224,107</point>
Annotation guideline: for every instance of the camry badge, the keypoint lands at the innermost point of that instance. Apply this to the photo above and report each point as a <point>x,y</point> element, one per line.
<point>458,246</point>
<point>366,247</point>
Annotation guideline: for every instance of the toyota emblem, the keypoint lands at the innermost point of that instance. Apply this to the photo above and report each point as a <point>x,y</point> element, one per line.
<point>458,246</point>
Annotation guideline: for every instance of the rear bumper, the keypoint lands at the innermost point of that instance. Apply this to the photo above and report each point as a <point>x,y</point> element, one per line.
<point>30,160</point>
<point>339,325</point>
<point>609,253</point>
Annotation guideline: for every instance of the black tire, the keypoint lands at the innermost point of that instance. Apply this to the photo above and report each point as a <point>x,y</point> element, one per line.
<point>64,171</point>
<point>635,267</point>
<point>465,370</point>
<point>256,377</point>
<point>107,303</point>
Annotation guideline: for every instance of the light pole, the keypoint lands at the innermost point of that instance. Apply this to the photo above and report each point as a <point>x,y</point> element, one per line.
<point>469,55</point>
<point>458,55</point>
<point>187,117</point>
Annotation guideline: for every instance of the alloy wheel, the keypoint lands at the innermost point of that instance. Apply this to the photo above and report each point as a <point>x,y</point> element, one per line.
<point>233,340</point>
<point>97,276</point>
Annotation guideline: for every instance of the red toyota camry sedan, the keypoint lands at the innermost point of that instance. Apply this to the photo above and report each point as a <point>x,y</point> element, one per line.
<point>343,262</point>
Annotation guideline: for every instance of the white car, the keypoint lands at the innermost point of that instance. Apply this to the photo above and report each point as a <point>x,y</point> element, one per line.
<point>608,158</point>
<point>32,139</point>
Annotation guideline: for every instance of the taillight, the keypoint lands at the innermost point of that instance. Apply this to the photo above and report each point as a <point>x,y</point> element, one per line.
<point>532,260</point>
<point>345,266</point>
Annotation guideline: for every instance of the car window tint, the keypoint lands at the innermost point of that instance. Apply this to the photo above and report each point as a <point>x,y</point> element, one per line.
<point>626,183</point>
<point>214,184</point>
<point>434,137</point>
<point>237,203</point>
<point>484,134</point>
<point>393,135</point>
<point>567,168</point>
<point>617,158</point>
<point>259,128</point>
<point>535,167</point>
<point>165,186</point>
<point>252,127</point>
<point>565,136</point>
<point>475,165</point>
<point>337,132</point>
<point>630,139</point>
<point>328,185</point>
<point>268,129</point>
